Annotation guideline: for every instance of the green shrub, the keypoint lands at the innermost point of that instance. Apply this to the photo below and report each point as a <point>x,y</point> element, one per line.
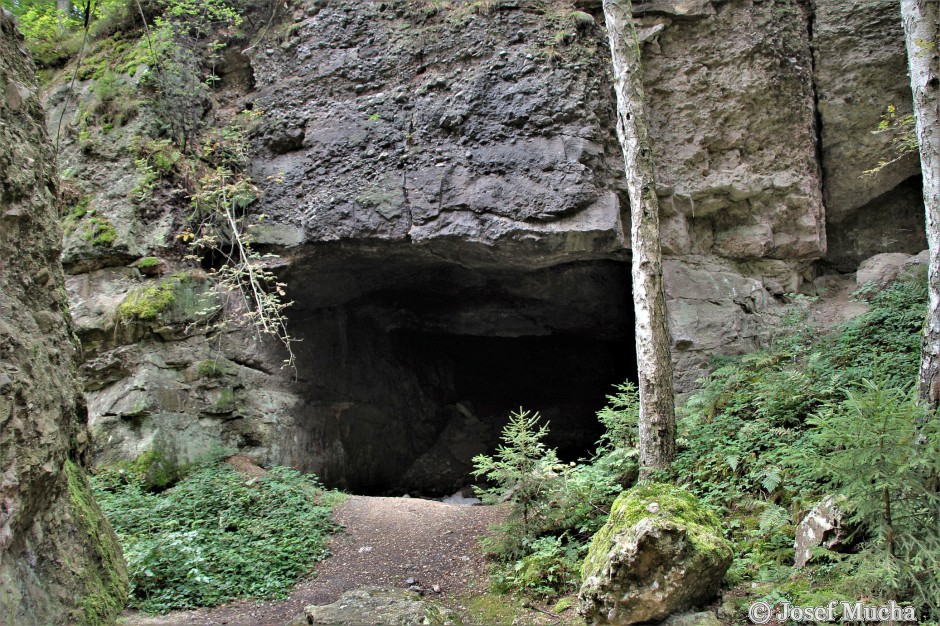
<point>880,451</point>
<point>550,567</point>
<point>522,467</point>
<point>736,433</point>
<point>557,507</point>
<point>739,434</point>
<point>217,534</point>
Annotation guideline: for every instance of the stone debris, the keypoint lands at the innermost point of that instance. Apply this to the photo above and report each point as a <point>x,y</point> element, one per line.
<point>822,527</point>
<point>377,605</point>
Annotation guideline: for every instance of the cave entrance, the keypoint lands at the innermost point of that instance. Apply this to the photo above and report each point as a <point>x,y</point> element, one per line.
<point>409,365</point>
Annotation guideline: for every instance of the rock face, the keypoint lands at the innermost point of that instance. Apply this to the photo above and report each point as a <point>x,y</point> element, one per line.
<point>880,270</point>
<point>859,59</point>
<point>59,559</point>
<point>821,527</point>
<point>660,553</point>
<point>443,184</point>
<point>374,605</point>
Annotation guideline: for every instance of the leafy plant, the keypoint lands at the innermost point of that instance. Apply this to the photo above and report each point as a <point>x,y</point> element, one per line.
<point>740,433</point>
<point>217,534</point>
<point>551,566</point>
<point>537,550</point>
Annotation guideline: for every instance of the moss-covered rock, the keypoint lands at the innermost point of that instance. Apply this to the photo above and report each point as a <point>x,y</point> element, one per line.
<point>177,299</point>
<point>106,585</point>
<point>660,553</point>
<point>59,560</point>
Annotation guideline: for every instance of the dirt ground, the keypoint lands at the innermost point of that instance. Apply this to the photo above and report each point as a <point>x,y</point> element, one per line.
<point>386,541</point>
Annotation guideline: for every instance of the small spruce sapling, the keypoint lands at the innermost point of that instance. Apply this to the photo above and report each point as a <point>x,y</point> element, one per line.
<point>522,468</point>
<point>878,451</point>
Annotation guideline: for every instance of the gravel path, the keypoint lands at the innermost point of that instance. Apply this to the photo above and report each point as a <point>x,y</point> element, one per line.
<point>386,542</point>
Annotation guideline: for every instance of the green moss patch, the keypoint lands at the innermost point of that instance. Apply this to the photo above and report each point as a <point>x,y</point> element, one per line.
<point>148,262</point>
<point>100,232</point>
<point>175,299</point>
<point>107,584</point>
<point>210,368</point>
<point>147,303</point>
<point>663,504</point>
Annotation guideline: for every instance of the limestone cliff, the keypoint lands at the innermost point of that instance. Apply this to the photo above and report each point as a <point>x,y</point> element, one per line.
<point>443,184</point>
<point>59,559</point>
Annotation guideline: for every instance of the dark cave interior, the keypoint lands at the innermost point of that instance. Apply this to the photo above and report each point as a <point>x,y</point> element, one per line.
<point>409,363</point>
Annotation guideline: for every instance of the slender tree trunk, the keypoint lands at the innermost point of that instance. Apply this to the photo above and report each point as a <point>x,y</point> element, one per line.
<point>654,362</point>
<point>921,29</point>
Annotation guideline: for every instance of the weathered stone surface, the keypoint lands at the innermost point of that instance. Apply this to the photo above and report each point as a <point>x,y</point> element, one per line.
<point>713,308</point>
<point>469,134</point>
<point>444,185</point>
<point>861,68</point>
<point>880,270</point>
<point>735,158</point>
<point>449,125</point>
<point>660,553</point>
<point>821,527</point>
<point>375,605</point>
<point>59,559</point>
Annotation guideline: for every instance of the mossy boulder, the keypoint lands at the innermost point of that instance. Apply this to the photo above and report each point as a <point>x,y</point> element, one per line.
<point>660,553</point>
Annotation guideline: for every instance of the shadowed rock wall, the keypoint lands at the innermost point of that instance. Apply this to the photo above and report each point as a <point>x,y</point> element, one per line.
<point>59,559</point>
<point>443,178</point>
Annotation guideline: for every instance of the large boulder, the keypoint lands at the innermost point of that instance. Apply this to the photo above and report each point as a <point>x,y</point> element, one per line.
<point>660,553</point>
<point>880,270</point>
<point>375,605</point>
<point>60,562</point>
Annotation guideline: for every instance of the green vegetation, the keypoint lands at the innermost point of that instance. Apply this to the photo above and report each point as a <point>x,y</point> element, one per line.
<point>147,303</point>
<point>888,483</point>
<point>216,534</point>
<point>109,584</point>
<point>210,368</point>
<point>152,470</point>
<point>77,211</point>
<point>148,262</point>
<point>100,231</point>
<point>557,507</point>
<point>180,297</point>
<point>767,437</point>
<point>675,506</point>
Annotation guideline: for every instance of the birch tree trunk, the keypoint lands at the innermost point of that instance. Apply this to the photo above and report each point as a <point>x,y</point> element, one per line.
<point>921,29</point>
<point>654,362</point>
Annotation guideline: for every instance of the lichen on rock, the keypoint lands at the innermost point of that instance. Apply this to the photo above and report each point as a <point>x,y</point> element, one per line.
<point>660,553</point>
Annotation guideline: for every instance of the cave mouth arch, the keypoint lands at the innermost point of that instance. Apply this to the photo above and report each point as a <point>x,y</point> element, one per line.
<point>409,362</point>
